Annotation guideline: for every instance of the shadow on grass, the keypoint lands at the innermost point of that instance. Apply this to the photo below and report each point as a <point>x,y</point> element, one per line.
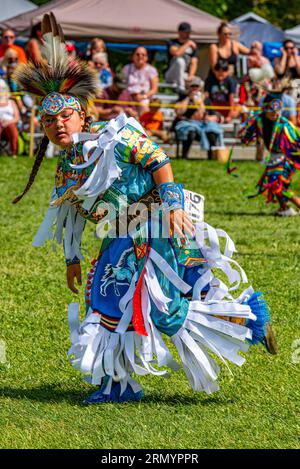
<point>53,394</point>
<point>198,399</point>
<point>44,394</point>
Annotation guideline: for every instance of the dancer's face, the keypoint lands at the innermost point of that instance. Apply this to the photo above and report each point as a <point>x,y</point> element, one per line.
<point>59,128</point>
<point>272,115</point>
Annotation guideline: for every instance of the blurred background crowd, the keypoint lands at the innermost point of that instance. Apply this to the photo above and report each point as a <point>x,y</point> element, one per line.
<point>180,89</point>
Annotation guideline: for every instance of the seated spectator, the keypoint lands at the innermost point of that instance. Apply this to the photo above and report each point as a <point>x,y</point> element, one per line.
<point>9,63</point>
<point>9,117</point>
<point>152,121</point>
<point>183,59</point>
<point>71,50</point>
<point>220,89</point>
<point>35,42</point>
<point>288,65</point>
<point>116,92</point>
<point>141,78</point>
<point>255,57</point>
<point>8,39</point>
<point>195,123</point>
<point>226,49</point>
<point>96,45</point>
<point>101,66</point>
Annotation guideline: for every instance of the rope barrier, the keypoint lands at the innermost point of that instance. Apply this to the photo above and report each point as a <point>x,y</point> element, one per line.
<point>169,105</point>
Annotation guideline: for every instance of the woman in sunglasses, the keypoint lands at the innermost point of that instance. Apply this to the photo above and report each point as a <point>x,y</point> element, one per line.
<point>288,65</point>
<point>226,49</point>
<point>8,39</point>
<point>282,140</point>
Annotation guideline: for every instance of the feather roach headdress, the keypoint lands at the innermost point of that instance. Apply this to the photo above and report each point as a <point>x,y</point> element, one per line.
<point>56,74</point>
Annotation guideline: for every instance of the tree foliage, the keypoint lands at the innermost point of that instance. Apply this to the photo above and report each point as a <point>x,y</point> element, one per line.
<point>282,13</point>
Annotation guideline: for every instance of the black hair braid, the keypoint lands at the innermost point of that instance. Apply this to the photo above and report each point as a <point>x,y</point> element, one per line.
<point>87,122</point>
<point>35,168</point>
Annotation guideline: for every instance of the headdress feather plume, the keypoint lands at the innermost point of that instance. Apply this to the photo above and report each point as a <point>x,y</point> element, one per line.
<point>56,72</point>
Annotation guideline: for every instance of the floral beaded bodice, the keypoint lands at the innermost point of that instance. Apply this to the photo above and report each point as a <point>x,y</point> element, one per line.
<point>66,176</point>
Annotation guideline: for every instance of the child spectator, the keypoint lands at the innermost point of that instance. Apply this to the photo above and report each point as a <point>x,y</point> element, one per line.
<point>220,89</point>
<point>9,63</point>
<point>153,120</point>
<point>96,45</point>
<point>101,66</point>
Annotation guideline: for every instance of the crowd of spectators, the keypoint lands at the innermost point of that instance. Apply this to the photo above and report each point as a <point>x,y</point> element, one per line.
<point>203,105</point>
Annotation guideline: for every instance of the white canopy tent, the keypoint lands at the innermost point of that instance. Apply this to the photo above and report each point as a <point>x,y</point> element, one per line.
<point>294,34</point>
<point>12,8</point>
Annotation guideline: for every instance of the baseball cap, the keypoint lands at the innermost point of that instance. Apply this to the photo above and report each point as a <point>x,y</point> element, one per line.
<point>185,27</point>
<point>196,81</point>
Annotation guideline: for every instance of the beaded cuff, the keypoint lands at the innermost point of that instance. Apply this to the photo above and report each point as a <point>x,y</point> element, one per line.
<point>171,195</point>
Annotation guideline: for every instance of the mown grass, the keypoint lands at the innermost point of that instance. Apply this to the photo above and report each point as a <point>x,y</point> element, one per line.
<point>41,395</point>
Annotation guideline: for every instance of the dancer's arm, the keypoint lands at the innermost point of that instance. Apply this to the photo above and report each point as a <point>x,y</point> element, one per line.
<point>180,222</point>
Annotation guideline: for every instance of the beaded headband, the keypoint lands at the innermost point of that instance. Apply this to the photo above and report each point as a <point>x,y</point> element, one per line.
<point>54,103</point>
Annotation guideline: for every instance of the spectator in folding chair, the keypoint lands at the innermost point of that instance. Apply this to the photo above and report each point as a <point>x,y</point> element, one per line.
<point>153,121</point>
<point>9,117</point>
<point>195,123</point>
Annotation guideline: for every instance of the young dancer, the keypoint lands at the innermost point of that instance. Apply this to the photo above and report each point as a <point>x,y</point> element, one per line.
<point>147,281</point>
<point>282,140</point>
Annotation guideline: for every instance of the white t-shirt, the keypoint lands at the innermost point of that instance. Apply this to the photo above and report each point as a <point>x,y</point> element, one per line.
<point>139,79</point>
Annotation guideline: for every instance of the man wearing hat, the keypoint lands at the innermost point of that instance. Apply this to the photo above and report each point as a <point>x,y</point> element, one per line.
<point>183,59</point>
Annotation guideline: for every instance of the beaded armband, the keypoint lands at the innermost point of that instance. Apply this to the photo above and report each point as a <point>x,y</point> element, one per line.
<point>171,195</point>
<point>75,260</point>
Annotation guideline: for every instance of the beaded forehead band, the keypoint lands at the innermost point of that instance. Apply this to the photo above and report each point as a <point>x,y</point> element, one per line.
<point>54,103</point>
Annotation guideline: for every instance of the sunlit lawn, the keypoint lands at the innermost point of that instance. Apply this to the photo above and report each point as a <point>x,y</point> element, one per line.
<point>41,394</point>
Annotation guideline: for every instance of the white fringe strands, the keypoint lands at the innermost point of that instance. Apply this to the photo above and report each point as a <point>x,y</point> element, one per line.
<point>99,354</point>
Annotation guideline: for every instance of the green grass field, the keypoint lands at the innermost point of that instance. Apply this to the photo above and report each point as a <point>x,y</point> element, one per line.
<point>41,394</point>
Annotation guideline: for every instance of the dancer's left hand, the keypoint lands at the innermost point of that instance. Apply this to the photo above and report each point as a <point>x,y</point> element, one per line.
<point>181,224</point>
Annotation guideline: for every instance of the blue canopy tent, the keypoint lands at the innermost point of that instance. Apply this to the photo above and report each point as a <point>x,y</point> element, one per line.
<point>255,28</point>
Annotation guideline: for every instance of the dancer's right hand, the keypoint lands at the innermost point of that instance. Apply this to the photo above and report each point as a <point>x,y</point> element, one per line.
<point>73,271</point>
